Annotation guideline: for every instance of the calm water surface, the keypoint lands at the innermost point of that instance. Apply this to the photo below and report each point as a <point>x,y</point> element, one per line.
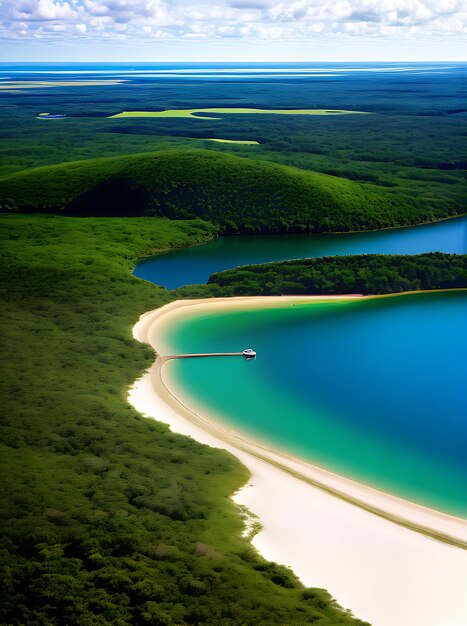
<point>370,389</point>
<point>195,265</point>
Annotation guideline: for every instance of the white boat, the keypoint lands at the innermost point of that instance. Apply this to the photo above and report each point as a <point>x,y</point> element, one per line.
<point>249,353</point>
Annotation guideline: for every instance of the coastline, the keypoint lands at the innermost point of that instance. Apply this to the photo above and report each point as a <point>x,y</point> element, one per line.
<point>365,524</point>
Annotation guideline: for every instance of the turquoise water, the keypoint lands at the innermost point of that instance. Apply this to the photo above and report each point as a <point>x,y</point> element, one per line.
<point>195,265</point>
<point>370,389</point>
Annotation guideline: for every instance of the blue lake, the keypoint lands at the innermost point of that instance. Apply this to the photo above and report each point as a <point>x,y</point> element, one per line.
<point>195,265</point>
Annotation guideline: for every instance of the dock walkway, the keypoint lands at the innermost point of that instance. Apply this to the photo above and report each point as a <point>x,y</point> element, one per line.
<point>205,354</point>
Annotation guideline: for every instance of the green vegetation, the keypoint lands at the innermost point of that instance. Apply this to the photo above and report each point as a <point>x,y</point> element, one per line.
<point>237,194</point>
<point>107,517</point>
<point>244,142</point>
<point>366,274</point>
<point>225,111</point>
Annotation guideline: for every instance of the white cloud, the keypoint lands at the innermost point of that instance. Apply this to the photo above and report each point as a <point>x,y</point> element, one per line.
<point>39,10</point>
<point>265,19</point>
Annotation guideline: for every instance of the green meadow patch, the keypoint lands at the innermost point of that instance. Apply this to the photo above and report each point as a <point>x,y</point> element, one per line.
<point>236,111</point>
<point>243,142</point>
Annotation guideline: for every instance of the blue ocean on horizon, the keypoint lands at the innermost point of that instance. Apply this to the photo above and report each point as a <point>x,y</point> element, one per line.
<point>205,69</point>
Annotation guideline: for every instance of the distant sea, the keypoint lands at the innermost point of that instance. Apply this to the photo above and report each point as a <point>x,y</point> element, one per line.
<point>224,70</point>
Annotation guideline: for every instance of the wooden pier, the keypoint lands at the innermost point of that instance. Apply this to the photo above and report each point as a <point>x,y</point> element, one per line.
<point>193,356</point>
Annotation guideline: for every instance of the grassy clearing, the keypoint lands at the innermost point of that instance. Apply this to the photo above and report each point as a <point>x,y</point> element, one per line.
<point>109,518</point>
<point>243,142</point>
<point>235,111</point>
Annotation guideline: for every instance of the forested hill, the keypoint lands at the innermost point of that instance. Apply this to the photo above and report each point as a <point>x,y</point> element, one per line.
<point>366,274</point>
<point>238,194</point>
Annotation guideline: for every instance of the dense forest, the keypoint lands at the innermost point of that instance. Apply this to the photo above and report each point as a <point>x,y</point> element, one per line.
<point>235,193</point>
<point>108,518</point>
<point>366,274</point>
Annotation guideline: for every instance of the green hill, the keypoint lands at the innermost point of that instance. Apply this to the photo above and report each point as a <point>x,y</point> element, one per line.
<point>238,194</point>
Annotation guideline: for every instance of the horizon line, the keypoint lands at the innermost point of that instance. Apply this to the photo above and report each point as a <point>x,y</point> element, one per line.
<point>234,61</point>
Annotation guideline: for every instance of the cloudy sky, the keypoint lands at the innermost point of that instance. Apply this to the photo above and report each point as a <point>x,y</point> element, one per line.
<point>223,30</point>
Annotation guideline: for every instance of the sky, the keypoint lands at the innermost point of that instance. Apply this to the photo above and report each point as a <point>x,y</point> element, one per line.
<point>233,30</point>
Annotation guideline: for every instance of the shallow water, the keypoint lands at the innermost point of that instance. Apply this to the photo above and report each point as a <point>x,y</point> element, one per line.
<point>195,265</point>
<point>369,389</point>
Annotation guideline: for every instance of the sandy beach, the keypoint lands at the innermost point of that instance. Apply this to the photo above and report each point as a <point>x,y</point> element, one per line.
<point>392,562</point>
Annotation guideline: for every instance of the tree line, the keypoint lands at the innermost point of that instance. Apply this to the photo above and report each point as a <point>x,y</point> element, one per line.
<point>366,274</point>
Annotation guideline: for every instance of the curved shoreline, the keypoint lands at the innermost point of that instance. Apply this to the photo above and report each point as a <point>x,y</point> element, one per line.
<point>436,524</point>
<point>356,494</point>
<point>362,505</point>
